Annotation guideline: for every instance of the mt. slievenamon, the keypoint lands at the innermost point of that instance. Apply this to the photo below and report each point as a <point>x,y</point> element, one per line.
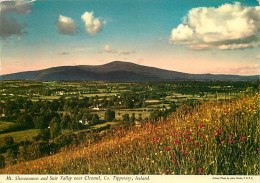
<point>116,71</point>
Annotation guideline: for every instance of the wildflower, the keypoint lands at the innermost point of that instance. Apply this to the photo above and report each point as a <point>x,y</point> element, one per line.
<point>222,141</point>
<point>257,148</point>
<point>215,133</point>
<point>189,133</point>
<point>229,141</point>
<point>199,171</point>
<point>174,160</point>
<point>160,143</point>
<point>172,155</point>
<point>199,133</point>
<point>234,141</point>
<point>175,164</point>
<point>184,148</point>
<point>177,142</point>
<point>189,140</point>
<point>230,136</point>
<point>155,154</point>
<point>201,125</point>
<point>152,161</point>
<point>195,143</point>
<point>185,172</point>
<point>160,152</point>
<point>219,130</point>
<point>167,148</point>
<point>184,154</point>
<point>167,171</point>
<point>172,173</point>
<point>108,169</point>
<point>243,137</point>
<point>186,137</point>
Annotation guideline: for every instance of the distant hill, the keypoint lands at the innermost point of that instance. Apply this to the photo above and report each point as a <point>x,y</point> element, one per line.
<point>116,71</point>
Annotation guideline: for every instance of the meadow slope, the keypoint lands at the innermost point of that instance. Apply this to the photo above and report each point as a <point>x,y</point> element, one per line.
<point>218,137</point>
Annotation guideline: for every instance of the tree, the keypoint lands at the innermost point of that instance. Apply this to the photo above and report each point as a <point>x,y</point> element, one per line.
<point>39,122</point>
<point>8,140</point>
<point>74,125</point>
<point>25,121</point>
<point>12,153</point>
<point>44,134</point>
<point>65,121</point>
<point>140,117</point>
<point>109,115</point>
<point>2,161</point>
<point>55,129</point>
<point>133,118</point>
<point>95,119</point>
<point>125,119</point>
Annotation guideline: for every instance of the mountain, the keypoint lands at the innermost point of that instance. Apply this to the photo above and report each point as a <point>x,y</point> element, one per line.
<point>116,71</point>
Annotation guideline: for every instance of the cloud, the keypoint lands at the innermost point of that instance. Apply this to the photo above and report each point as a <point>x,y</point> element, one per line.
<point>230,26</point>
<point>107,49</point>
<point>92,24</point>
<point>10,26</point>
<point>127,52</point>
<point>66,25</point>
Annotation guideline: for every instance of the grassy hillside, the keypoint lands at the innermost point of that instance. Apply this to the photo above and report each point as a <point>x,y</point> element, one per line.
<point>213,138</point>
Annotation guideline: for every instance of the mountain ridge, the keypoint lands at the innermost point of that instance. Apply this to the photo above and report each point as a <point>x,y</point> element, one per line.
<point>116,71</point>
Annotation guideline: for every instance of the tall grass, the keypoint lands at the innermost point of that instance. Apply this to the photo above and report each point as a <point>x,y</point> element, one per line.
<point>219,138</point>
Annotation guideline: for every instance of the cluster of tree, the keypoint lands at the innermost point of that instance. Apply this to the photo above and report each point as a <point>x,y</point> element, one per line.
<point>44,144</point>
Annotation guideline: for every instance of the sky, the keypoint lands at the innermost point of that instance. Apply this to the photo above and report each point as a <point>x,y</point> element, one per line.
<point>192,36</point>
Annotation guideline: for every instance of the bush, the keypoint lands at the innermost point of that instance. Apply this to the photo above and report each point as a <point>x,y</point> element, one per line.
<point>8,140</point>
<point>2,161</point>
<point>25,121</point>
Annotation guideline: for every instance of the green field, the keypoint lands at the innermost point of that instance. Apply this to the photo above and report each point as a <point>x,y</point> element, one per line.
<point>99,94</point>
<point>5,125</point>
<point>21,135</point>
<point>104,124</point>
<point>49,97</point>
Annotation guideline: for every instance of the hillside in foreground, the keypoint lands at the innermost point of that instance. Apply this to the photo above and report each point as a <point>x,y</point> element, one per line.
<point>220,137</point>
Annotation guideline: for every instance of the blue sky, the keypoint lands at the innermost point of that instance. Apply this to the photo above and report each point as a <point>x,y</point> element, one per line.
<point>139,31</point>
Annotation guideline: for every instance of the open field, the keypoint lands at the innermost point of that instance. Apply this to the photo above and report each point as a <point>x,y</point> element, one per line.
<point>98,94</point>
<point>5,125</point>
<point>21,135</point>
<point>104,124</point>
